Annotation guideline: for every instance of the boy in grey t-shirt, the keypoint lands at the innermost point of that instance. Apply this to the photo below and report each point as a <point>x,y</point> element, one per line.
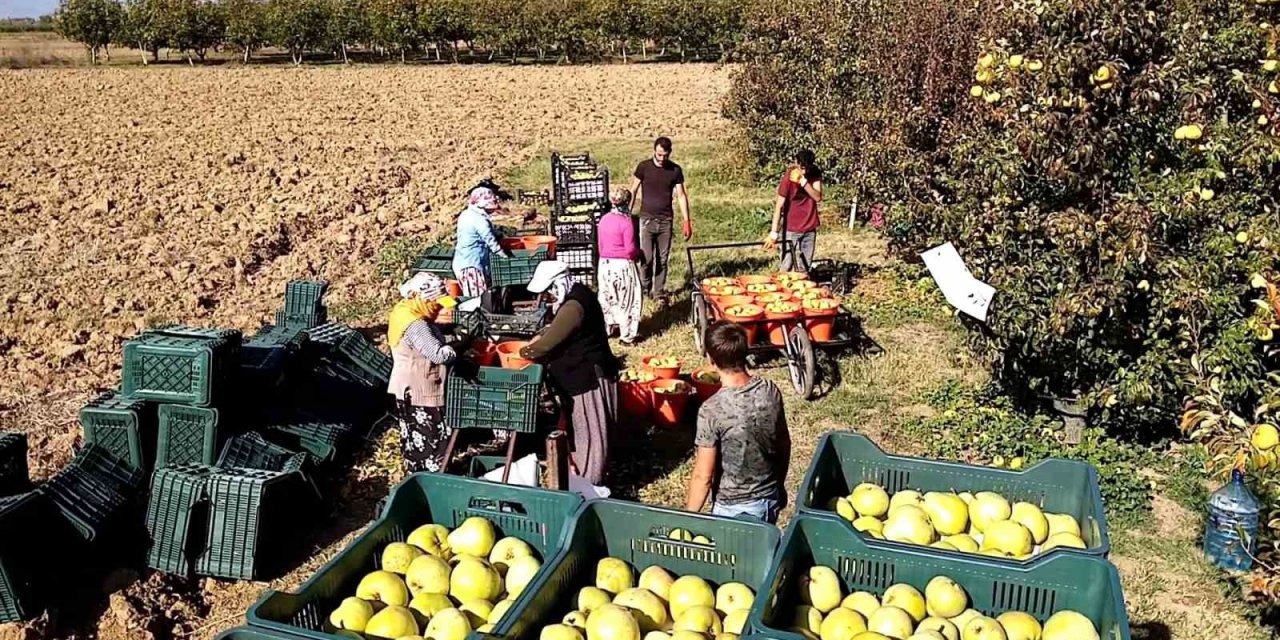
<point>744,447</point>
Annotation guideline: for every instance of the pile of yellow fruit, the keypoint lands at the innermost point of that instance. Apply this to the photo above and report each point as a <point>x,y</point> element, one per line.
<point>439,584</point>
<point>653,606</point>
<point>984,523</point>
<point>636,375</point>
<point>782,307</point>
<point>677,388</point>
<point>664,362</point>
<point>762,287</point>
<point>942,612</point>
<point>707,377</point>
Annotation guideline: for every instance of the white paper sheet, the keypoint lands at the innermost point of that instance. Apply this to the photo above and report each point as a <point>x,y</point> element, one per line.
<point>964,292</point>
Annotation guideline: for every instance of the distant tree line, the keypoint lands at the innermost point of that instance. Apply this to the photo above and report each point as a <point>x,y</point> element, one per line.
<point>564,30</point>
<point>19,25</point>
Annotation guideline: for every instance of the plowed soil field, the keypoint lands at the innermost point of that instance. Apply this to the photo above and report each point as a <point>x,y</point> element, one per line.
<point>131,196</point>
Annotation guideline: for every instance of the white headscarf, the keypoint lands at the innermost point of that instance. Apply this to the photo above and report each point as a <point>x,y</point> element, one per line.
<point>559,289</point>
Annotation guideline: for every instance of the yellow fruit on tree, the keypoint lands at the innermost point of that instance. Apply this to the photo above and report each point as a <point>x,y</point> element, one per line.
<point>1035,65</point>
<point>975,91</point>
<point>1265,437</point>
<point>986,61</point>
<point>1015,61</point>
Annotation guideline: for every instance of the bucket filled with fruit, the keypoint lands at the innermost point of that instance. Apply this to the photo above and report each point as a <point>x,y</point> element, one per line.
<point>747,281</point>
<point>747,315</point>
<point>663,367</point>
<point>670,399</point>
<point>633,390</point>
<point>820,317</point>
<point>780,314</point>
<point>706,382</point>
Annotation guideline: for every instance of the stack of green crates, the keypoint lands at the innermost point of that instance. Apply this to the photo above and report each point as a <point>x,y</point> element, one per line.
<point>349,351</point>
<point>186,369</point>
<point>496,398</point>
<point>537,516</point>
<point>436,260</point>
<point>252,522</point>
<point>177,517</point>
<point>187,435</point>
<point>517,270</point>
<point>29,527</point>
<point>303,305</point>
<point>123,426</point>
<point>93,490</point>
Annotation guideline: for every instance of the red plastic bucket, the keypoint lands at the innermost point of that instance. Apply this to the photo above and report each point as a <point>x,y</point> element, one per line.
<point>669,408</point>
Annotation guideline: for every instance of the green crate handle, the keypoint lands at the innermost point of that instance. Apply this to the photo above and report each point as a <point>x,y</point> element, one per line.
<point>1055,478</point>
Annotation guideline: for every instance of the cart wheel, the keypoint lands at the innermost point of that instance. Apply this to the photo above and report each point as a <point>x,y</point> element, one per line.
<point>800,361</point>
<point>700,320</point>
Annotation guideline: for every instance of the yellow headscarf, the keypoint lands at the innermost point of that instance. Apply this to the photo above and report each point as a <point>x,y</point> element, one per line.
<point>405,313</point>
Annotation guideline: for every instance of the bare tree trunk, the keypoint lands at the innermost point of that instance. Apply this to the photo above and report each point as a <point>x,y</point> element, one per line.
<point>644,48</point>
<point>246,55</point>
<point>345,59</point>
<point>106,51</point>
<point>93,55</point>
<point>437,52</point>
<point>402,57</point>
<point>155,54</point>
<point>453,49</point>
<point>624,51</point>
<point>144,54</point>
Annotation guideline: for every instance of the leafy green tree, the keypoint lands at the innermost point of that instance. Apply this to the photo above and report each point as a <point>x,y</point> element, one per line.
<point>144,27</point>
<point>194,26</point>
<point>616,23</point>
<point>395,25</point>
<point>299,26</point>
<point>246,25</point>
<point>444,23</point>
<point>349,24</point>
<point>93,23</point>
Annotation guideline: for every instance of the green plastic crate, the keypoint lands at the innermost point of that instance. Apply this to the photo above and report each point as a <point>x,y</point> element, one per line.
<point>170,368</point>
<point>202,333</point>
<point>125,427</point>
<point>249,633</point>
<point>290,337</point>
<point>537,516</point>
<point>305,321</point>
<point>187,435</point>
<point>516,270</point>
<point>357,356</point>
<point>14,476</point>
<point>253,520</point>
<point>93,490</point>
<point>24,547</point>
<point>845,459</point>
<point>1087,584</point>
<point>177,517</point>
<point>320,439</point>
<point>497,399</point>
<point>252,451</point>
<point>741,551</point>
<point>520,324</point>
<point>437,260</point>
<point>303,297</point>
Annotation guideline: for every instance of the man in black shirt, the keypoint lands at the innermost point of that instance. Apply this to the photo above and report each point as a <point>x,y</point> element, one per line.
<point>656,184</point>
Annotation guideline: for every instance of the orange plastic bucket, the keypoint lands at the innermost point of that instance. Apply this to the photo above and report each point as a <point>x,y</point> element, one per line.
<point>670,398</point>
<point>798,286</point>
<point>724,302</point>
<point>747,316</point>
<point>816,293</point>
<point>664,373</point>
<point>820,322</point>
<point>704,389</point>
<point>789,276</point>
<point>483,353</point>
<point>762,287</point>
<point>763,299</point>
<point>725,290</point>
<point>750,280</point>
<point>778,329</point>
<point>636,398</point>
<point>530,243</point>
<point>708,283</point>
<point>509,354</point>
<point>453,288</point>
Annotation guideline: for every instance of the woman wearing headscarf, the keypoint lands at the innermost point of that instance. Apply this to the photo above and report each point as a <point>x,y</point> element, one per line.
<point>420,356</point>
<point>476,242</point>
<point>582,367</point>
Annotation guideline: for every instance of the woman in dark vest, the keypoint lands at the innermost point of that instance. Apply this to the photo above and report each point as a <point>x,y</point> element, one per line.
<point>582,367</point>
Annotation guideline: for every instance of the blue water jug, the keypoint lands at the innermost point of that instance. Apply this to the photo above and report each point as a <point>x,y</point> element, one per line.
<point>1231,532</point>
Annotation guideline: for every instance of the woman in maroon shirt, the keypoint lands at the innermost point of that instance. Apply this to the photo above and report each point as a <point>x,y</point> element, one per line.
<point>799,193</point>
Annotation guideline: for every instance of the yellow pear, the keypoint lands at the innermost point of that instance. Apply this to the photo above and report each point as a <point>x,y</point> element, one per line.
<point>384,587</point>
<point>863,602</point>
<point>820,587</point>
<point>944,545</point>
<point>986,60</point>
<point>560,632</point>
<point>948,514</point>
<point>963,542</point>
<point>702,619</point>
<point>448,624</point>
<point>392,622</point>
<point>842,624</point>
<point>474,580</point>
<point>944,598</point>
<point>942,626</point>
<point>477,612</point>
<point>1019,625</point>
<point>1265,437</point>
<point>868,524</point>
<point>1064,539</point>
<point>908,511</point>
<point>1015,61</point>
<point>871,635</point>
<point>589,598</point>
<point>1035,65</point>
<point>701,540</point>
<point>909,529</point>
<point>963,619</point>
<point>428,574</point>
<point>1062,523</point>
<point>1030,516</point>
<point>734,596</point>
<point>869,500</point>
<point>506,550</point>
<point>906,497</point>
<point>690,591</point>
<point>576,619</point>
<point>1069,625</point>
<point>520,573</point>
<point>845,509</point>
<point>891,621</point>
<point>427,605</point>
<point>1008,536</point>
<point>975,91</point>
<point>647,608</point>
<point>397,556</point>
<point>352,614</point>
<point>907,598</point>
<point>807,617</point>
<point>474,537</point>
<point>612,622</point>
<point>657,580</point>
<point>988,507</point>
<point>432,539</point>
<point>657,635</point>
<point>735,622</point>
<point>500,609</point>
<point>613,575</point>
<point>983,628</point>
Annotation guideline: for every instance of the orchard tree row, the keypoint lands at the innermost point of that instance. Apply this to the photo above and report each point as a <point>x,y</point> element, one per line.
<point>568,30</point>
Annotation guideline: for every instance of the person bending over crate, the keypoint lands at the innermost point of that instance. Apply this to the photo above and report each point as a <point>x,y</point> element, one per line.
<point>476,242</point>
<point>743,444</point>
<point>419,357</point>
<point>583,369</point>
<point>619,280</point>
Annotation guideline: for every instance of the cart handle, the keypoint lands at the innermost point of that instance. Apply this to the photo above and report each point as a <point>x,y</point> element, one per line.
<point>688,252</point>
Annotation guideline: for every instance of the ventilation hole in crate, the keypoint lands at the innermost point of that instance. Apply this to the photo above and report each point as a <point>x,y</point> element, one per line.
<point>1037,601</point>
<point>872,574</point>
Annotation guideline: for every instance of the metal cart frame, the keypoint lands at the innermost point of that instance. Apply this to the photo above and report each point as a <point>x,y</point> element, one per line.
<point>799,349</point>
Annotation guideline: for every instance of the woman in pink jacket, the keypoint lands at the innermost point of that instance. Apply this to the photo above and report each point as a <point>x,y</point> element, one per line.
<point>619,280</point>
